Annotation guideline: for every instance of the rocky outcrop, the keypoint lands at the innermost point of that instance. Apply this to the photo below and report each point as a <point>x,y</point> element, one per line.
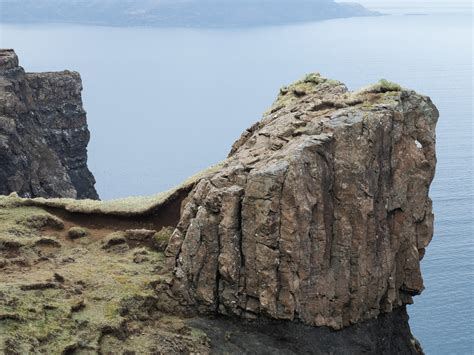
<point>43,133</point>
<point>73,283</point>
<point>319,215</point>
<point>316,222</point>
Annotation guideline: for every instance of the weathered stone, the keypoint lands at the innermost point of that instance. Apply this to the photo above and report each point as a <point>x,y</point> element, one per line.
<point>161,238</point>
<point>113,239</point>
<point>139,235</point>
<point>77,232</point>
<point>43,133</point>
<point>321,212</point>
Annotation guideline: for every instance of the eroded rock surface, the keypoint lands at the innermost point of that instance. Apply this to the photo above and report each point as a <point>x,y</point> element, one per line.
<point>107,292</point>
<point>316,222</point>
<point>43,133</point>
<point>321,212</point>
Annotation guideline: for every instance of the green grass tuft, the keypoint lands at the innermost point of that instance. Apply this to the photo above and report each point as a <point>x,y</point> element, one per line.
<point>382,86</point>
<point>314,78</point>
<point>386,86</point>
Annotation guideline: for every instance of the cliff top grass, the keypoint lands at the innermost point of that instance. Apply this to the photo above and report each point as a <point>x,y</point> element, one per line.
<point>20,228</point>
<point>382,86</point>
<point>139,205</point>
<point>129,206</point>
<point>328,89</point>
<point>311,83</point>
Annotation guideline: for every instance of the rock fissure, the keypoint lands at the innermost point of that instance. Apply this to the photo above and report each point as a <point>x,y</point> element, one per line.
<point>319,243</point>
<point>278,246</point>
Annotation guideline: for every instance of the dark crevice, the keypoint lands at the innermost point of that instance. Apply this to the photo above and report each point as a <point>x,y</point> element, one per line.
<point>280,199</point>
<point>329,198</point>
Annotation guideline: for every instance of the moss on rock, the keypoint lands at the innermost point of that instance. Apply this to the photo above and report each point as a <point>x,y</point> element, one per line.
<point>308,85</point>
<point>162,238</point>
<point>382,86</point>
<point>77,232</point>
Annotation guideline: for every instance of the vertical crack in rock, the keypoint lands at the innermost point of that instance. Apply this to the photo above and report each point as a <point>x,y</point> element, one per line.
<point>320,213</point>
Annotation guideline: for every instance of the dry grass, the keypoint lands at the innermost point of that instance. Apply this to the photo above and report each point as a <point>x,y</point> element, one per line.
<point>129,206</point>
<point>382,86</point>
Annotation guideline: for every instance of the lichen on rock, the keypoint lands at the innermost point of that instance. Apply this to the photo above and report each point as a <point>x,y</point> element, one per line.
<point>321,212</point>
<point>317,221</point>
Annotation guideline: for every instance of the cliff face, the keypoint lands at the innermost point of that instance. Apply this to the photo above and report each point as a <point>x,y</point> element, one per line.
<point>43,133</point>
<point>316,222</point>
<point>321,212</point>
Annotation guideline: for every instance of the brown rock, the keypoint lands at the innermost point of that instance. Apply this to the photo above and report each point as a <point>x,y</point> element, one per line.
<point>113,239</point>
<point>139,235</point>
<point>77,232</point>
<point>322,222</point>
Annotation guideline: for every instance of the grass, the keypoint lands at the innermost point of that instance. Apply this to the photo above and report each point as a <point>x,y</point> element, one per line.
<point>382,86</point>
<point>112,286</point>
<point>162,238</point>
<point>309,84</point>
<point>130,206</point>
<point>314,78</point>
<point>73,293</point>
<point>25,221</point>
<point>20,229</point>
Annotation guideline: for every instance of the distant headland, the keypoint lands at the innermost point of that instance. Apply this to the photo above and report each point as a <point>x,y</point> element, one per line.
<point>178,13</point>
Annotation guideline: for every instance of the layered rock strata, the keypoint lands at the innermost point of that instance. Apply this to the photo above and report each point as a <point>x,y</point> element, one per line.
<point>43,133</point>
<point>319,215</point>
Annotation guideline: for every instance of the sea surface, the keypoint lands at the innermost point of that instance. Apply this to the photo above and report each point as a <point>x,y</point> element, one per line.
<point>165,103</point>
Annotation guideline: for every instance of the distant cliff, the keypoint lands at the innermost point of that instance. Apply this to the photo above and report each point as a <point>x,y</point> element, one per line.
<point>179,13</point>
<point>43,133</point>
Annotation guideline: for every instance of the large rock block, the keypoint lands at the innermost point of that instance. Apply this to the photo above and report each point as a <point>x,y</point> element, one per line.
<point>320,213</point>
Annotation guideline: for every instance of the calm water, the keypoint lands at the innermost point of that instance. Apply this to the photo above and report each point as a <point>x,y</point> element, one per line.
<point>165,103</point>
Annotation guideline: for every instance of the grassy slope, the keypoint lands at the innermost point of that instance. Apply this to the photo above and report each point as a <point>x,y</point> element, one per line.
<point>58,294</point>
<point>130,206</point>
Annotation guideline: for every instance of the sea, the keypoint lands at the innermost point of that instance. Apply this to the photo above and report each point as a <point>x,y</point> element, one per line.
<point>164,103</point>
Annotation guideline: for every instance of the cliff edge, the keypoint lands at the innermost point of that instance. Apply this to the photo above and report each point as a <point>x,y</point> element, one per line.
<point>43,133</point>
<point>306,239</point>
<point>321,212</point>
